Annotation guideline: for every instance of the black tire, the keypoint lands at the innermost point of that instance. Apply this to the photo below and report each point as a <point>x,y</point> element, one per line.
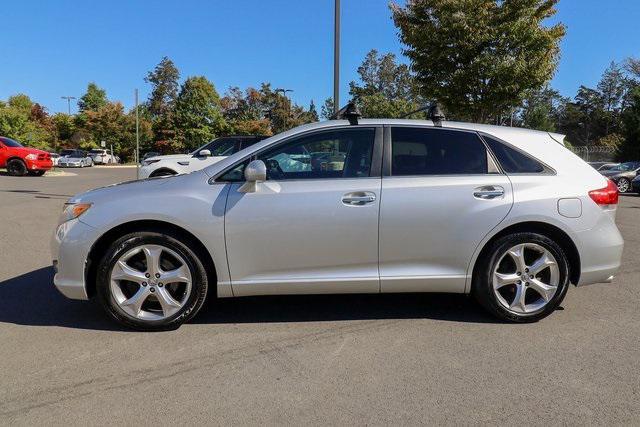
<point>193,303</point>
<point>16,167</point>
<point>483,274</point>
<point>36,173</point>
<point>162,172</point>
<point>624,185</point>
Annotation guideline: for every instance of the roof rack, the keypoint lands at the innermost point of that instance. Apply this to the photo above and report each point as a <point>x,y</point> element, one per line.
<point>349,112</point>
<point>434,113</point>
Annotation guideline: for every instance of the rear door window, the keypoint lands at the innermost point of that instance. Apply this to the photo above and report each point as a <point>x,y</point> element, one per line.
<point>512,160</point>
<point>435,151</point>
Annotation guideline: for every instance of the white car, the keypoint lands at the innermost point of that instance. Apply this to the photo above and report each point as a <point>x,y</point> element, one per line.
<point>208,154</point>
<point>54,158</point>
<point>508,215</point>
<point>74,159</point>
<point>102,156</point>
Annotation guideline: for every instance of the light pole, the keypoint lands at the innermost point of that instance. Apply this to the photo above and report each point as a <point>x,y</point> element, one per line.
<point>68,98</point>
<point>336,58</point>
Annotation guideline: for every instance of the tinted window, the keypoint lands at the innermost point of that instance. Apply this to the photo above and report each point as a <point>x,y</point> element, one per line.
<point>248,142</point>
<point>344,153</point>
<point>436,152</point>
<point>512,160</point>
<point>10,142</point>
<point>219,147</point>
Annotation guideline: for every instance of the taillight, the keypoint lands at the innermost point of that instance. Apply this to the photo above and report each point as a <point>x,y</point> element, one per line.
<point>607,195</point>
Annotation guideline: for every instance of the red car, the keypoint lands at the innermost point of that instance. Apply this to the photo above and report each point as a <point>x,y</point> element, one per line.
<point>21,160</point>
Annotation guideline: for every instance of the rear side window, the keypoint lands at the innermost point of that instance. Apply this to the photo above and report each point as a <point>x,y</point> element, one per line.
<point>419,151</point>
<point>512,160</point>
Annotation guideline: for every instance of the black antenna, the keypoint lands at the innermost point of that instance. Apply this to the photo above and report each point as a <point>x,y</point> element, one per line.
<point>349,112</point>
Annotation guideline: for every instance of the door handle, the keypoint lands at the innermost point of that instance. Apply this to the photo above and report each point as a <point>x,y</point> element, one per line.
<point>488,192</point>
<point>358,198</point>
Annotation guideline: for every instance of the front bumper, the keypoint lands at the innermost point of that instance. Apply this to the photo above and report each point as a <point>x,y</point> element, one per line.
<point>70,246</point>
<point>39,165</point>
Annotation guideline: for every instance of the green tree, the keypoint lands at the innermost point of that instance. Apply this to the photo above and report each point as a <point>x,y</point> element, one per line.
<point>244,112</point>
<point>480,58</point>
<point>161,103</point>
<point>386,89</point>
<point>540,110</point>
<point>94,99</point>
<point>16,122</point>
<point>198,115</point>
<point>326,111</point>
<point>630,148</point>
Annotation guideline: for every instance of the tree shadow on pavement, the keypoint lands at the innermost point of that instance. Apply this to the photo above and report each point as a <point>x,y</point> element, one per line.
<point>31,299</point>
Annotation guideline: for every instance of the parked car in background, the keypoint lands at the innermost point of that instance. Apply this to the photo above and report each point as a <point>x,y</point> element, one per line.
<point>148,155</point>
<point>74,159</point>
<point>102,156</point>
<point>204,156</point>
<point>20,160</point>
<point>54,158</point>
<point>508,215</point>
<point>635,184</point>
<point>623,174</point>
<point>599,166</point>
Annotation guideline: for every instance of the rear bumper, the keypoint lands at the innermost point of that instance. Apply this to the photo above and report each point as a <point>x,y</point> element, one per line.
<point>600,252</point>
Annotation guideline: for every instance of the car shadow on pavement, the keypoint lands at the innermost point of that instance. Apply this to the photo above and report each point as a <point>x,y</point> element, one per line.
<point>319,308</point>
<point>31,299</point>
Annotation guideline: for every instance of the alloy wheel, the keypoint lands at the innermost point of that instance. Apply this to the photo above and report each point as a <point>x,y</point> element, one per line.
<point>526,278</point>
<point>623,185</point>
<point>150,282</point>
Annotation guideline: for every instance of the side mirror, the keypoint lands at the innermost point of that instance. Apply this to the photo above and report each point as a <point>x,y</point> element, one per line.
<point>255,172</point>
<point>204,153</point>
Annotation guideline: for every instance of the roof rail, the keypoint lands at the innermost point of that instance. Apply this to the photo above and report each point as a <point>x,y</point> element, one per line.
<point>349,112</point>
<point>434,113</point>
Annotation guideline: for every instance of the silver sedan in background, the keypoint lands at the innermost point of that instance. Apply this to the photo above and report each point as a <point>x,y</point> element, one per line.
<point>371,206</point>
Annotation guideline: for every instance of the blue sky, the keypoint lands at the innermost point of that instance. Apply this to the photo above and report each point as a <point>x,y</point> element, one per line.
<point>54,48</point>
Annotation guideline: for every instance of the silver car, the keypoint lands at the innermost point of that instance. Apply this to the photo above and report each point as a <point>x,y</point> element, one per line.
<point>378,206</point>
<point>75,159</point>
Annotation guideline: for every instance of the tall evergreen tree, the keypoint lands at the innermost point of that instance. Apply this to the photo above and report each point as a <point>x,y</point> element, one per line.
<point>94,99</point>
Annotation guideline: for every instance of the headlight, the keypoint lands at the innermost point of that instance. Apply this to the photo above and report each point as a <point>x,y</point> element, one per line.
<point>149,162</point>
<point>72,211</point>
<point>31,156</point>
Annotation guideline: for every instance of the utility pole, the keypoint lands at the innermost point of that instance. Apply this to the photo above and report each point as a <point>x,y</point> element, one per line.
<point>68,98</point>
<point>137,138</point>
<point>336,58</point>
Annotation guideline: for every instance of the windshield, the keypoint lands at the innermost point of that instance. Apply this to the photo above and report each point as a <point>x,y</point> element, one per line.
<point>10,142</point>
<point>627,166</point>
<point>96,151</point>
<point>219,147</point>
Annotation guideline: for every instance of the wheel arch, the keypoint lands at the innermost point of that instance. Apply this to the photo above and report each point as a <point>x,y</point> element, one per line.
<point>160,171</point>
<point>551,231</point>
<point>101,246</point>
<point>14,157</point>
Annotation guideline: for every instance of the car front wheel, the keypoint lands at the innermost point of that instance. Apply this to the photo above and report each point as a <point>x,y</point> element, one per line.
<point>151,281</point>
<point>522,278</point>
<point>16,167</point>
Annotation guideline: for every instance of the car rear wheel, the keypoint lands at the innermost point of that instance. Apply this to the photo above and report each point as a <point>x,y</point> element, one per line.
<point>151,281</point>
<point>16,167</point>
<point>624,185</point>
<point>522,278</point>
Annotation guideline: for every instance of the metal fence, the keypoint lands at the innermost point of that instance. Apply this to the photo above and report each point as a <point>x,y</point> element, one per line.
<point>595,154</point>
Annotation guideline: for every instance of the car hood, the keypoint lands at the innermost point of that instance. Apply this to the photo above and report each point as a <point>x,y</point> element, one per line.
<point>27,150</point>
<point>121,189</point>
<point>171,157</point>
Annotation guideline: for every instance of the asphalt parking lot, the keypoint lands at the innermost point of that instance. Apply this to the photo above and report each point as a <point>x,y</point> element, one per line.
<point>358,360</point>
